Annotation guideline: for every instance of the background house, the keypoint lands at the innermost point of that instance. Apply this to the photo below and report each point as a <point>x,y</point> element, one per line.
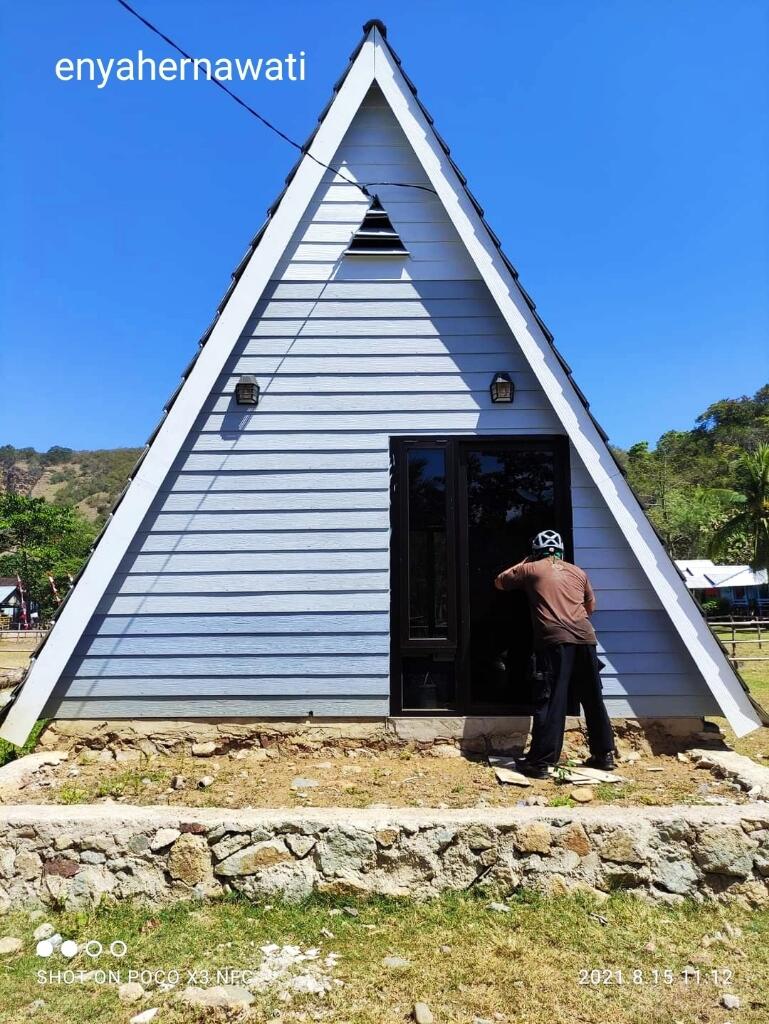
<point>738,586</point>
<point>9,601</point>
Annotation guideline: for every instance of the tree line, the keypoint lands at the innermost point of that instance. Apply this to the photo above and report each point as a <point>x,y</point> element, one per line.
<point>707,489</point>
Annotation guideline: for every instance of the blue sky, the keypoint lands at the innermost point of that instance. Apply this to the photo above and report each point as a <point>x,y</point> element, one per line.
<point>621,152</point>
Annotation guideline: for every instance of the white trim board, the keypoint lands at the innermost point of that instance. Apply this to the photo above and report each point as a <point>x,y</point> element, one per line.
<point>374,63</point>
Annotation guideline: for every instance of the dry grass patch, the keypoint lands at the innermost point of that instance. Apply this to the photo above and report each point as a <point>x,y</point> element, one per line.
<point>463,959</point>
<point>367,778</point>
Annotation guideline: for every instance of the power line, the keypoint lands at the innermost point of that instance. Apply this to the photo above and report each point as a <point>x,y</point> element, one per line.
<point>255,113</point>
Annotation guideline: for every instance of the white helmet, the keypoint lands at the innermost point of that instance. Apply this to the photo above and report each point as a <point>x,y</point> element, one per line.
<point>547,542</point>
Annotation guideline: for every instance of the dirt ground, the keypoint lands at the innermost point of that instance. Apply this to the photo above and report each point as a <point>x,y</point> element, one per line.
<point>259,778</point>
<point>365,778</point>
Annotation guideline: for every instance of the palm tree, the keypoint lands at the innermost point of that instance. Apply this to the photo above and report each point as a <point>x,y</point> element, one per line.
<point>750,522</point>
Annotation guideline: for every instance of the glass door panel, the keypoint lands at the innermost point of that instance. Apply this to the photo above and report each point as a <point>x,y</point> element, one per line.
<point>427,547</point>
<point>509,496</point>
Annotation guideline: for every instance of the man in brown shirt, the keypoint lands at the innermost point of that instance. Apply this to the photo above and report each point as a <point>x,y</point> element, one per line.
<point>561,601</point>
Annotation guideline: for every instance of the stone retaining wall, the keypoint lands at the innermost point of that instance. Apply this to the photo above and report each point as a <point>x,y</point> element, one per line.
<point>71,856</point>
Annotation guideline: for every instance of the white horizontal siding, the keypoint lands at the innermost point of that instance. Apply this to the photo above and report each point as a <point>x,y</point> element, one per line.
<point>217,630</point>
<point>259,584</point>
<point>342,539</point>
<point>394,401</point>
<point>378,384</point>
<point>643,652</point>
<point>261,561</point>
<point>350,705</point>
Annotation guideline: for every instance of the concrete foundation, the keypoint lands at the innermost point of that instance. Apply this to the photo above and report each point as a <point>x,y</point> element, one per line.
<point>475,734</point>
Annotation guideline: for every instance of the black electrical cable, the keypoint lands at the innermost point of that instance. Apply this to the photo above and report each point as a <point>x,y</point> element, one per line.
<point>259,117</point>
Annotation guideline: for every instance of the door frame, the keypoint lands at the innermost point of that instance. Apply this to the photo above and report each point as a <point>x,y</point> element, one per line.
<point>457,643</point>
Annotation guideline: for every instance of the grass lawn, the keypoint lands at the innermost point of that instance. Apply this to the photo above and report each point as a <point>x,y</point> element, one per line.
<point>465,960</point>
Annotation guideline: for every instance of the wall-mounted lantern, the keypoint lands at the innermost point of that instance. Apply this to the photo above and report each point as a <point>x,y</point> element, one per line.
<point>247,390</point>
<point>502,388</point>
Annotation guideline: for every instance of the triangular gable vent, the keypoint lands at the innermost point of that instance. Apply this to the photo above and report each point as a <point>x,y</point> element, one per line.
<point>376,236</point>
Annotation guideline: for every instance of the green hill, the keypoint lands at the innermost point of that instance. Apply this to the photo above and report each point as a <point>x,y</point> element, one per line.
<point>89,480</point>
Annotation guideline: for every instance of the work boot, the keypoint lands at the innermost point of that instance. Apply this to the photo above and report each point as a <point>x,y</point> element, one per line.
<point>604,762</point>
<point>532,771</point>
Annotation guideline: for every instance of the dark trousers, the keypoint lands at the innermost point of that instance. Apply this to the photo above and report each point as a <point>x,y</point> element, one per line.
<point>577,664</point>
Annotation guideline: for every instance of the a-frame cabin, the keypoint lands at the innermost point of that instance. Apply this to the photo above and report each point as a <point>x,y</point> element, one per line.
<point>314,525</point>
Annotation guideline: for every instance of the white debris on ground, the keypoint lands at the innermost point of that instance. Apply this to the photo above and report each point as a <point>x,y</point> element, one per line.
<point>289,970</point>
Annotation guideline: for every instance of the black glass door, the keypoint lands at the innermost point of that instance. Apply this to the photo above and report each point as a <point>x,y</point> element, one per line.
<point>463,510</point>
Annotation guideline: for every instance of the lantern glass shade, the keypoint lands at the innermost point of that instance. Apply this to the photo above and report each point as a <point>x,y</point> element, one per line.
<point>502,387</point>
<point>247,390</point>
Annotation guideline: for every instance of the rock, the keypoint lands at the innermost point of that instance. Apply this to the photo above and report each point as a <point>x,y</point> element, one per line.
<point>44,931</point>
<point>164,837</point>
<point>28,864</point>
<point>676,876</point>
<point>205,782</point>
<point>651,946</point>
<point>683,758</point>
<point>395,962</point>
<point>130,992</point>
<point>10,945</point>
<point>139,844</point>
<point>725,850</point>
<point>624,847</point>
<point>534,801</point>
<point>423,1014</point>
<point>64,867</point>
<point>230,844</point>
<point>499,908</point>
<point>204,749</point>
<point>582,794</point>
<point>573,837</point>
<point>535,837</point>
<point>92,857</point>
<point>254,858</point>
<point>190,860</point>
<point>730,1002</point>
<point>145,1016</point>
<point>386,837</point>
<point>350,911</point>
<point>479,837</point>
<point>230,997</point>
<point>445,750</point>
<point>299,783</point>
<point>128,756</point>
<point>178,782</point>
<point>345,850</point>
<point>300,846</point>
<point>33,1008</point>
